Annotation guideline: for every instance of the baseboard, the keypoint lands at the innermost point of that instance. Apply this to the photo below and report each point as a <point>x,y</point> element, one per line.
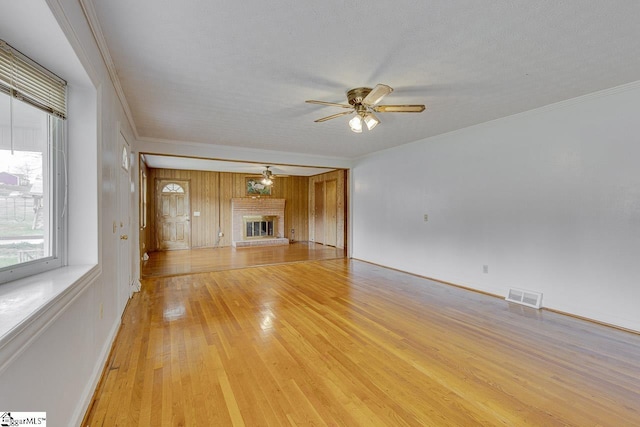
<point>588,319</point>
<point>96,375</point>
<point>467,288</point>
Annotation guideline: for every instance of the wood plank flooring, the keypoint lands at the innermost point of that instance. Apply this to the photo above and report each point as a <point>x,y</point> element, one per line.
<point>345,343</point>
<point>171,263</point>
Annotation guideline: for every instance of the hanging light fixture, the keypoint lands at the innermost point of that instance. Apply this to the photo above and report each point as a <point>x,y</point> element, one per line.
<point>371,120</point>
<point>364,101</point>
<point>363,114</point>
<point>267,177</point>
<point>356,124</point>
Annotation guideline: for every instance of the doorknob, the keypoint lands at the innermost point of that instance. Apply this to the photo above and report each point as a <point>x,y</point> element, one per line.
<point>124,237</point>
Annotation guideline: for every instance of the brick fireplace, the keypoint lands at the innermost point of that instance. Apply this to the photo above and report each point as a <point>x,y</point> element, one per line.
<point>257,212</point>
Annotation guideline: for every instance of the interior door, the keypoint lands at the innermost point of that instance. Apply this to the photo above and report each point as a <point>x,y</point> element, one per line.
<point>123,225</point>
<point>318,212</point>
<point>331,213</point>
<point>173,230</point>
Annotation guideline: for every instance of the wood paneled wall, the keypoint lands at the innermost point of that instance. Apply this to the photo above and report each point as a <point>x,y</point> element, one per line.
<point>341,178</point>
<point>211,194</point>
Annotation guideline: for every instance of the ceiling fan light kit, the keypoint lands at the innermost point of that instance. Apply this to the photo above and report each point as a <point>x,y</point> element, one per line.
<point>363,102</point>
<point>267,177</point>
<point>371,120</point>
<point>356,124</point>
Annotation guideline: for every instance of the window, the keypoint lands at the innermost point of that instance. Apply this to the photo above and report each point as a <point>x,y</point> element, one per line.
<point>172,188</point>
<point>32,154</point>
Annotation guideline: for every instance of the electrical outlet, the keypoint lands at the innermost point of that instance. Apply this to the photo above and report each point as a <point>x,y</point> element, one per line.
<point>426,217</point>
<point>485,269</point>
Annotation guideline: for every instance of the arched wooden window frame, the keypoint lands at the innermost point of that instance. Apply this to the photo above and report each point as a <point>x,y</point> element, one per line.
<point>172,188</point>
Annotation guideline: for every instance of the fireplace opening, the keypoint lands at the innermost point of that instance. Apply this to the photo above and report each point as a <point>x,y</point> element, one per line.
<point>256,227</point>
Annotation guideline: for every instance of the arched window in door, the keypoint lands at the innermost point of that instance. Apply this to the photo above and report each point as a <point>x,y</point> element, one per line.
<point>172,188</point>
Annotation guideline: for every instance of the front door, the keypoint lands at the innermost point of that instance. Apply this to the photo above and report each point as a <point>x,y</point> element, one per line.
<point>173,230</point>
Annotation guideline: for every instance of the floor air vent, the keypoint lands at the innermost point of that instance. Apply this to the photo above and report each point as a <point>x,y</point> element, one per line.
<point>528,298</point>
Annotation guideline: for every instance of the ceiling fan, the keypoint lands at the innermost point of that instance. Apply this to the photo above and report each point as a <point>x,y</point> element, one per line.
<point>364,102</point>
<point>267,176</point>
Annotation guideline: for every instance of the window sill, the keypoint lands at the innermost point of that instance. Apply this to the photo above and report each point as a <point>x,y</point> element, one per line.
<point>29,305</point>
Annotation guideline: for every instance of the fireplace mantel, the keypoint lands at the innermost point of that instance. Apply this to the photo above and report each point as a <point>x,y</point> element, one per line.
<point>258,206</point>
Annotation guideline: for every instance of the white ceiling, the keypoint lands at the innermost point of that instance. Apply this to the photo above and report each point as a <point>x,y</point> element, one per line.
<point>237,73</point>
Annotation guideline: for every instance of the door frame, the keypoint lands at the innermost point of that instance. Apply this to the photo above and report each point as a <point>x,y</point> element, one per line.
<point>124,260</point>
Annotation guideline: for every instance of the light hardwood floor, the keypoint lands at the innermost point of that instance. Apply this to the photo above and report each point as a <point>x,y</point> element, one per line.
<point>345,343</point>
<point>171,263</point>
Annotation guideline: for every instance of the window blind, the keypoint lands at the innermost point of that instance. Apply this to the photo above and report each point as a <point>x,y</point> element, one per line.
<point>29,82</point>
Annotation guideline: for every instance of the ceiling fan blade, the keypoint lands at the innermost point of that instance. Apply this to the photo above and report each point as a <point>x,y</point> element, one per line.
<point>399,108</point>
<point>332,104</point>
<point>376,94</point>
<point>333,116</point>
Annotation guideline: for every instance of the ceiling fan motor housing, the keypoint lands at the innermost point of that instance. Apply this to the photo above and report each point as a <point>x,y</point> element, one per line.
<point>267,174</point>
<point>355,96</point>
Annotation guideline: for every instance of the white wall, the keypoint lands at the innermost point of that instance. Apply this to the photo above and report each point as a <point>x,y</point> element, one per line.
<point>548,199</point>
<point>57,362</point>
